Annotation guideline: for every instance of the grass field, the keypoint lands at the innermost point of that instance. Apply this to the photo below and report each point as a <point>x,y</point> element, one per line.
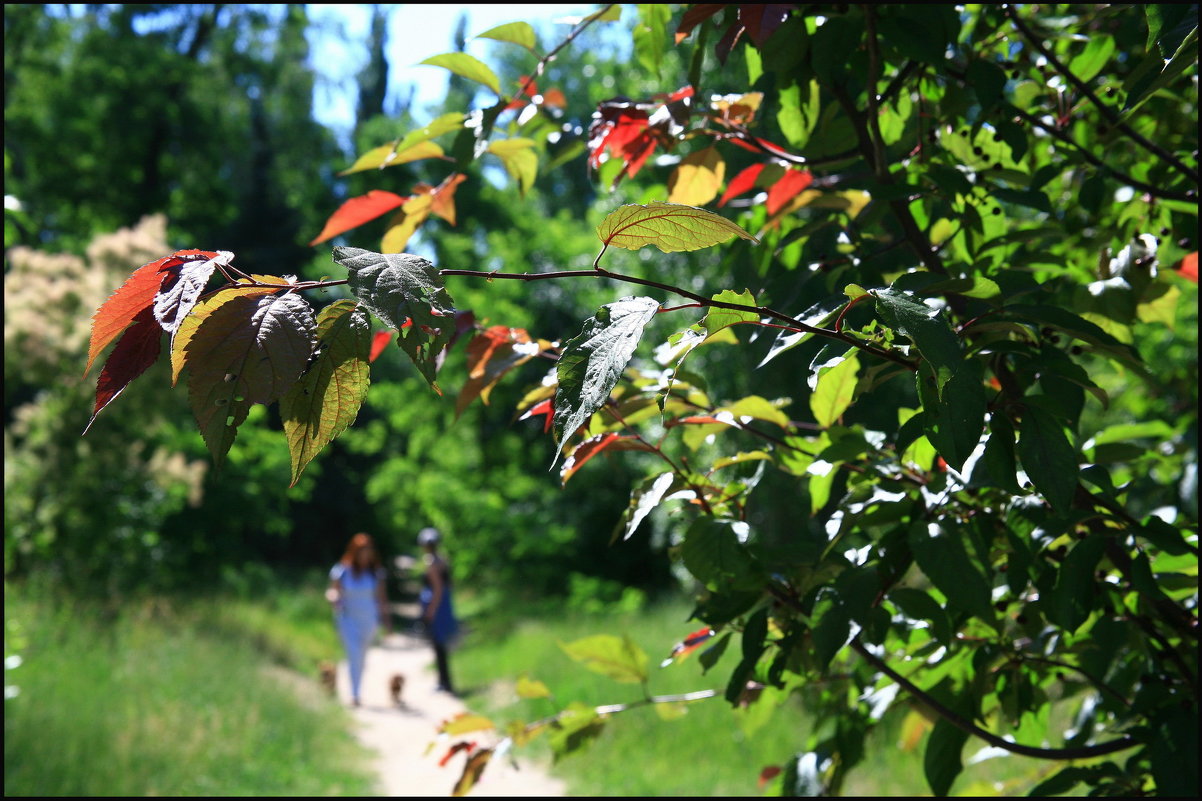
<point>172,698</point>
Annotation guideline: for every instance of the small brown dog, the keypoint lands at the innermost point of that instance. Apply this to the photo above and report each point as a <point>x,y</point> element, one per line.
<point>395,685</point>
<point>328,673</point>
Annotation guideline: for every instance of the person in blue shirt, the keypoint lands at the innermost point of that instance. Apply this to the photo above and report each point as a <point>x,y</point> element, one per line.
<point>438,612</point>
<point>359,597</point>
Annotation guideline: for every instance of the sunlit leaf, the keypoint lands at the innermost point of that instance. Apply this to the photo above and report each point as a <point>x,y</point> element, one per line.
<point>696,180</point>
<point>643,499</point>
<point>834,391</point>
<point>669,226</point>
<point>593,361</point>
<point>616,657</point>
<point>491,354</point>
<point>326,400</point>
<point>466,66</point>
<point>531,688</point>
<point>743,182</point>
<point>379,341</point>
<point>136,351</point>
<point>519,158</point>
<point>594,445</point>
<point>518,33</point>
<point>183,287</point>
<point>786,188</point>
<point>405,223</point>
<point>466,722</point>
<point>444,197</point>
<point>389,156</point>
<point>357,211</point>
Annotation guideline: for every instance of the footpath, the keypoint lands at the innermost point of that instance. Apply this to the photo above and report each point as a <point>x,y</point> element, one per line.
<point>400,734</point>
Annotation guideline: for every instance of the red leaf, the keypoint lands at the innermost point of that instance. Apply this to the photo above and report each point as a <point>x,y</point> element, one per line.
<point>455,749</point>
<point>741,183</point>
<point>357,211</point>
<point>594,445</point>
<point>490,355</point>
<point>530,92</point>
<point>792,183</point>
<point>138,349</point>
<point>543,407</point>
<point>1189,267</point>
<point>696,15</point>
<point>768,774</point>
<point>131,298</point>
<point>679,94</point>
<point>378,342</point>
<point>444,197</point>
<point>554,98</point>
<point>728,42</point>
<point>688,645</point>
<point>761,19</point>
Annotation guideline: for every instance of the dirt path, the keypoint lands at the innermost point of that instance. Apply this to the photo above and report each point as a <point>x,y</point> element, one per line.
<point>400,734</point>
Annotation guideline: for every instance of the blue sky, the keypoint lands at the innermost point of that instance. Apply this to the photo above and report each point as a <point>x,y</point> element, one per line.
<point>338,44</point>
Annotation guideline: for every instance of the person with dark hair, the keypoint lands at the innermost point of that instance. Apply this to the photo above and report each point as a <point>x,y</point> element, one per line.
<point>358,594</point>
<point>438,613</point>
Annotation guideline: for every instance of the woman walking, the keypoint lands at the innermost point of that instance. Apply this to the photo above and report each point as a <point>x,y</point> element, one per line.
<point>358,594</point>
<point>438,614</point>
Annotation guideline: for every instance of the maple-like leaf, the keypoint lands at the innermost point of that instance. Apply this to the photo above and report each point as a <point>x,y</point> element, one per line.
<point>696,179</point>
<point>490,355</point>
<point>594,445</point>
<point>135,295</point>
<point>593,361</point>
<point>357,211</point>
<point>247,347</point>
<point>137,349</point>
<point>326,400</point>
<point>670,227</point>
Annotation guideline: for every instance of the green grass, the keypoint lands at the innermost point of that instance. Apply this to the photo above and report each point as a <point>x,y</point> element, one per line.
<point>712,750</point>
<point>171,698</point>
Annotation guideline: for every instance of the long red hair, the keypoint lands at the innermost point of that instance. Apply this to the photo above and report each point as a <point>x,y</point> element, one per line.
<point>357,544</point>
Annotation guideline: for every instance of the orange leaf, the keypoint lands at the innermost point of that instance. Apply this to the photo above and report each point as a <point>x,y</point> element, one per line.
<point>138,349</point>
<point>490,355</point>
<point>542,407</point>
<point>453,750</point>
<point>768,774</point>
<point>444,197</point>
<point>1189,267</point>
<point>131,298</point>
<point>554,98</point>
<point>791,184</point>
<point>378,343</point>
<point>741,183</point>
<point>357,211</point>
<point>594,445</point>
<point>688,645</point>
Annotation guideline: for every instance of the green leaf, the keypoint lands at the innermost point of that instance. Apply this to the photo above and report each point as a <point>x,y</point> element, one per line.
<point>326,400</point>
<point>521,162</point>
<point>518,33</point>
<point>1169,24</point>
<point>988,80</point>
<point>754,407</point>
<point>246,347</point>
<point>1060,783</point>
<point>440,125</point>
<point>918,605</point>
<point>391,155</point>
<point>650,35</point>
<point>671,227</point>
<point>834,390</point>
<point>940,552</point>
<point>953,422</point>
<point>1090,61</point>
<point>531,688</point>
<point>1075,593</point>
<point>616,657</point>
<point>468,67</point>
<point>593,361</point>
<point>941,760</point>
<point>716,318</point>
<point>713,554</point>
<point>1048,457</point>
<point>1185,57</point>
<point>926,327</point>
<point>573,728</point>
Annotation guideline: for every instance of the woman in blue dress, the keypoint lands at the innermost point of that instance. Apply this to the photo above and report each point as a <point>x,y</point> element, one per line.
<point>358,594</point>
<point>438,613</point>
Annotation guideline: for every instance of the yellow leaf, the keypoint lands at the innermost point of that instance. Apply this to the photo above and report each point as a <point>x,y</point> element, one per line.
<point>406,222</point>
<point>697,178</point>
<point>465,723</point>
<point>671,227</point>
<point>389,156</point>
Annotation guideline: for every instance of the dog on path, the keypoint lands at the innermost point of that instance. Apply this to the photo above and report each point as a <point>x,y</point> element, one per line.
<point>396,685</point>
<point>327,671</point>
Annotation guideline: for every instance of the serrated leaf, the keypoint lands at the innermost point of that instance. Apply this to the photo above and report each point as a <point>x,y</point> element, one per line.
<point>519,158</point>
<point>357,211</point>
<point>593,361</point>
<point>188,328</point>
<point>390,156</point>
<point>466,66</point>
<point>129,300</point>
<point>326,400</point>
<point>926,327</point>
<point>669,226</point>
<point>619,658</point>
<point>406,222</point>
<point>834,391</point>
<point>183,287</point>
<point>247,348</point>
<point>396,286</point>
<point>136,351</point>
<point>697,178</point>
<point>518,33</point>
